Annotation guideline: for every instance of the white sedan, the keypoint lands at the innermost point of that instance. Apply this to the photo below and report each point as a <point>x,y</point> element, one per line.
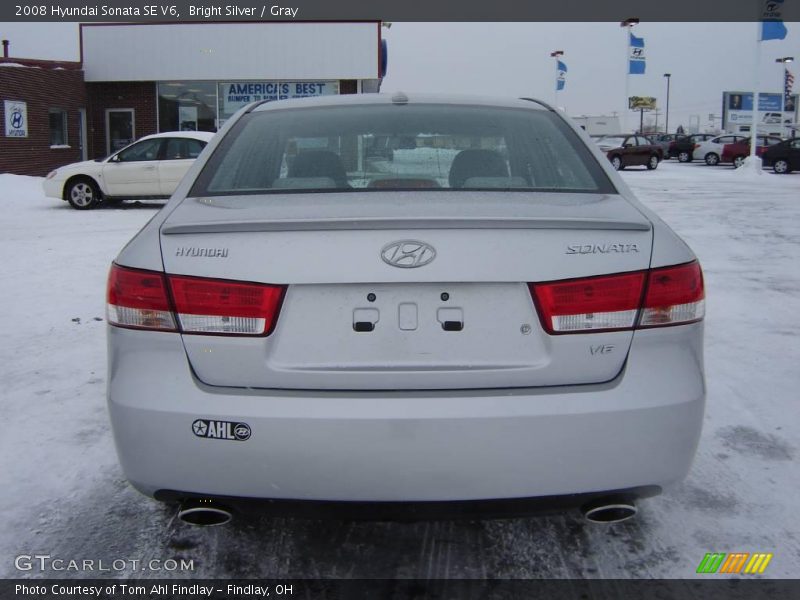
<point>150,168</point>
<point>711,150</point>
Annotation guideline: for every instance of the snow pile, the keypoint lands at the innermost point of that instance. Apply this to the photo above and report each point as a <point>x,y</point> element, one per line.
<point>753,168</point>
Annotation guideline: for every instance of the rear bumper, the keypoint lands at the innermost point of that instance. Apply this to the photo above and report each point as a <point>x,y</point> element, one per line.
<point>639,430</point>
<point>409,511</point>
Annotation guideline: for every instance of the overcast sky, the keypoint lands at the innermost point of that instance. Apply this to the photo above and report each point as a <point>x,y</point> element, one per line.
<point>512,59</point>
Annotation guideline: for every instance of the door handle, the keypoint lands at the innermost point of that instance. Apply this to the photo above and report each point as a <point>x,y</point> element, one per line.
<point>150,168</point>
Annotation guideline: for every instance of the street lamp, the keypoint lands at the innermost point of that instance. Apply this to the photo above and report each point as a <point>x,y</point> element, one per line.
<point>783,61</point>
<point>666,125</point>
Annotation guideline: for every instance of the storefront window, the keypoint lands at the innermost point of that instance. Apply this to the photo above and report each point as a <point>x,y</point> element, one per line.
<point>187,106</point>
<point>206,105</point>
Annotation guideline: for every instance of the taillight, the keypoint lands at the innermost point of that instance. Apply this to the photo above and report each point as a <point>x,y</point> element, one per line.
<point>696,146</point>
<point>658,297</point>
<point>138,298</point>
<point>226,307</point>
<point>152,300</point>
<point>674,295</point>
<point>595,303</point>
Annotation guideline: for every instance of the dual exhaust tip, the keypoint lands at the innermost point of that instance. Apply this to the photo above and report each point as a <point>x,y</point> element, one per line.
<point>205,513</point>
<point>607,511</point>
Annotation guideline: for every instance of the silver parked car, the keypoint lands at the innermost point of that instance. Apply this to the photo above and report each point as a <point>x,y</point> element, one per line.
<point>488,320</point>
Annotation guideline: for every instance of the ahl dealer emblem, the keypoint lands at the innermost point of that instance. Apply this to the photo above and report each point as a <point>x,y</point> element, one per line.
<point>408,254</point>
<point>221,430</point>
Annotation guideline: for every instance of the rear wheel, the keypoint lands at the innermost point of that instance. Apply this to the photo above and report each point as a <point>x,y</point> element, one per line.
<point>653,162</point>
<point>781,166</point>
<point>738,161</point>
<point>616,162</point>
<point>82,193</point>
<point>712,159</point>
<point>684,156</point>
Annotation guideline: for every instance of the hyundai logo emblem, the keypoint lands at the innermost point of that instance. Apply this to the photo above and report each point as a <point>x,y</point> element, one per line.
<point>408,254</point>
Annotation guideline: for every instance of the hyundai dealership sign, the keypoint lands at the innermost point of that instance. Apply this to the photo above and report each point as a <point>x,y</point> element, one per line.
<point>16,118</point>
<point>775,113</point>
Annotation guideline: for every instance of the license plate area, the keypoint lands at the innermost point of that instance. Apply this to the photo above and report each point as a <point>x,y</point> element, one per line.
<point>403,310</point>
<point>407,326</point>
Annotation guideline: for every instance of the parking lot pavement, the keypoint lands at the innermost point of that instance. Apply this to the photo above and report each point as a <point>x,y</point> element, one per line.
<point>63,494</point>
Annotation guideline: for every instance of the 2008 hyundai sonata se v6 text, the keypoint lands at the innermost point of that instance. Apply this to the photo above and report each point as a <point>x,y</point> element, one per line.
<point>478,319</point>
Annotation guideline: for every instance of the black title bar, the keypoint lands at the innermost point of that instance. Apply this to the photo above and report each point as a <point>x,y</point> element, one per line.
<point>394,10</point>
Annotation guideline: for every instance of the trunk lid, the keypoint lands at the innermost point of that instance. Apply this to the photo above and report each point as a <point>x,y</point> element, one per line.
<point>463,320</point>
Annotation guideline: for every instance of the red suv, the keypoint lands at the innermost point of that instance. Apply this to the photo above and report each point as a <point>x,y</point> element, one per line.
<point>736,153</point>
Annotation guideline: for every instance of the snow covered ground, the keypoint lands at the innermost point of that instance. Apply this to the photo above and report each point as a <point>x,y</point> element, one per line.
<point>62,493</point>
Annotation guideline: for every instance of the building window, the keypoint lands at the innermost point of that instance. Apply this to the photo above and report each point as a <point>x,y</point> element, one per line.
<point>58,127</point>
<point>187,106</point>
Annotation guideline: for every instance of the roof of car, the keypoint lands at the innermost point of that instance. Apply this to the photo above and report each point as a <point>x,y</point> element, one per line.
<point>401,98</point>
<point>195,135</point>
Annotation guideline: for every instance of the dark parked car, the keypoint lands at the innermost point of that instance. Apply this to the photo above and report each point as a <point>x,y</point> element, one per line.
<point>663,140</point>
<point>630,150</point>
<point>783,157</point>
<point>736,153</point>
<point>683,147</point>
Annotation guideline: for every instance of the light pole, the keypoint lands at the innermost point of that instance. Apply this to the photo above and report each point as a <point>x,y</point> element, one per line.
<point>666,125</point>
<point>783,62</point>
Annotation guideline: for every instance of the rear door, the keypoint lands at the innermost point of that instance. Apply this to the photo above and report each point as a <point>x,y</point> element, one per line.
<point>794,154</point>
<point>643,147</point>
<point>177,156</point>
<point>354,316</point>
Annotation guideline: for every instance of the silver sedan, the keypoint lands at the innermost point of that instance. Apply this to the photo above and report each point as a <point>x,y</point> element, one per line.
<point>398,306</point>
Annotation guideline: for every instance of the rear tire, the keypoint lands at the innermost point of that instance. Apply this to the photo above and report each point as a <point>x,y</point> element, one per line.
<point>712,159</point>
<point>82,193</point>
<point>781,166</point>
<point>738,161</point>
<point>616,162</point>
<point>684,156</point>
<point>652,163</point>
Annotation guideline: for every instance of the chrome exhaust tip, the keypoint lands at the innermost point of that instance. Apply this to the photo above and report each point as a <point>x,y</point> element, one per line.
<point>204,514</point>
<point>609,512</point>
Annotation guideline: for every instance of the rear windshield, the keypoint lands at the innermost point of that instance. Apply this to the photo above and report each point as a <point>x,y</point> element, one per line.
<point>410,147</point>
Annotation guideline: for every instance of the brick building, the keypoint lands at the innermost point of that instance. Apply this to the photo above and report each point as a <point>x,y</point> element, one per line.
<point>46,106</point>
<point>137,79</point>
